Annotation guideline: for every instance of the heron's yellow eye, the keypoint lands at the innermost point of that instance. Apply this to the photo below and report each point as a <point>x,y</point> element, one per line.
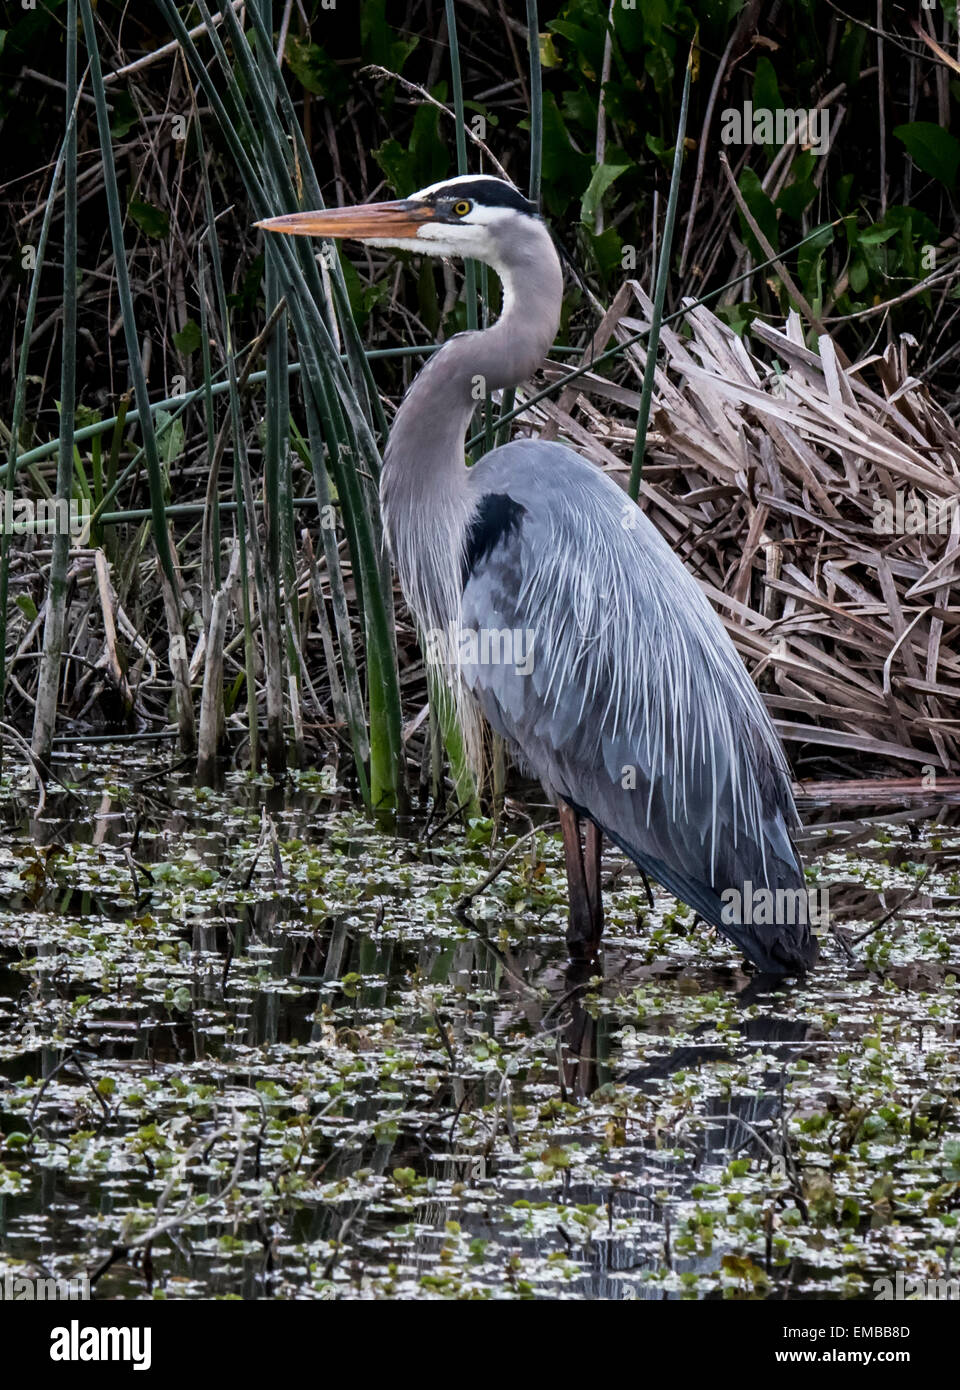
<point>461,208</point>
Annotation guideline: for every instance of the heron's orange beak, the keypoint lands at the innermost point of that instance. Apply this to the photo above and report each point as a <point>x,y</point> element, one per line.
<point>397,219</point>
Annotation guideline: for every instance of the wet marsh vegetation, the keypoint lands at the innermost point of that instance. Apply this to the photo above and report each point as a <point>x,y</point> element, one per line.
<point>249,1047</point>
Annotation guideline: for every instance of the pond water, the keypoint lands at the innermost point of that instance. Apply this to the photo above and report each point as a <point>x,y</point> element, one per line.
<point>248,1048</point>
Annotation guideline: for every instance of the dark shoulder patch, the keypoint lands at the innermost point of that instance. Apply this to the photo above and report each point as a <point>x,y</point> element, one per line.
<point>497,518</point>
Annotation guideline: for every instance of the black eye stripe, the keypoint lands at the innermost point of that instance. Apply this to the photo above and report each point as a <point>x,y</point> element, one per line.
<point>491,193</point>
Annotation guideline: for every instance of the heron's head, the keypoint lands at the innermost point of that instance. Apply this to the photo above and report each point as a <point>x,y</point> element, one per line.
<point>473,215</point>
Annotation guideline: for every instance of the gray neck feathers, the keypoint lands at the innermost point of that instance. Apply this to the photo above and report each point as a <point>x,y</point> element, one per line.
<point>426,501</point>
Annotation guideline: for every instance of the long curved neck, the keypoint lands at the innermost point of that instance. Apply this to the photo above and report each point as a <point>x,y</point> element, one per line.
<point>426,501</point>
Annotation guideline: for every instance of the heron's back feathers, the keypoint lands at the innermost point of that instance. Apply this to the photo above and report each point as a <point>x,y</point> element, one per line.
<point>624,694</point>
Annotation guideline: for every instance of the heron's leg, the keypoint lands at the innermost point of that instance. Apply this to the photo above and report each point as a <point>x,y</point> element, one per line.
<point>580,929</point>
<point>592,852</point>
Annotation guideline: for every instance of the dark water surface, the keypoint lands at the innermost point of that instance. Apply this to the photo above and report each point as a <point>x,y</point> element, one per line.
<point>248,1048</point>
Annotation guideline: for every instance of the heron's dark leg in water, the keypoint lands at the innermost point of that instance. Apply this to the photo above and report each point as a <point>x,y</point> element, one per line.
<point>583,881</point>
<point>592,864</point>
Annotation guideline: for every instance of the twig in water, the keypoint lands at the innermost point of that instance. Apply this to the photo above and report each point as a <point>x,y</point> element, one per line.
<point>461,906</point>
<point>893,911</point>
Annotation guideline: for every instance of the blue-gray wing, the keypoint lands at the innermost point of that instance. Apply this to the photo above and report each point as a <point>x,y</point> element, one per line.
<point>595,653</point>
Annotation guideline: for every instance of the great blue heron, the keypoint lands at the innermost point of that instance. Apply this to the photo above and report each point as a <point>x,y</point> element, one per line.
<point>629,701</point>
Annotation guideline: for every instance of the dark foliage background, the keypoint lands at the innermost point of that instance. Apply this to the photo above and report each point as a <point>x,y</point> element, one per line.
<point>369,135</point>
